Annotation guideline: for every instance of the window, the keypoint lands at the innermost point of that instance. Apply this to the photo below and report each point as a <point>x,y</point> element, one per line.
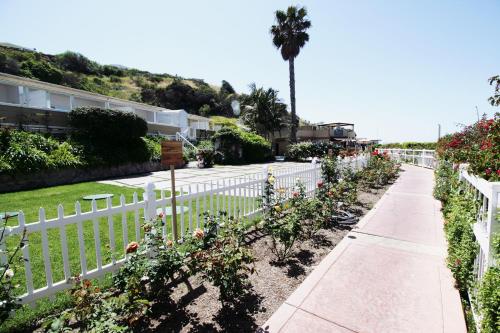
<point>60,102</point>
<point>9,94</point>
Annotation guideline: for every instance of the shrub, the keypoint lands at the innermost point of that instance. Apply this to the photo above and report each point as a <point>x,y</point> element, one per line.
<point>64,156</point>
<point>77,62</point>
<point>488,292</point>
<point>488,300</point>
<point>24,152</point>
<point>153,146</point>
<point>283,227</point>
<point>238,146</point>
<point>206,157</point>
<point>9,65</point>
<point>224,121</point>
<point>303,150</point>
<point>109,136</point>
<point>462,248</point>
<point>43,71</point>
<point>25,158</point>
<point>110,70</point>
<point>379,170</point>
<point>478,145</point>
<point>223,258</point>
<point>445,178</point>
<point>8,300</point>
<point>151,265</point>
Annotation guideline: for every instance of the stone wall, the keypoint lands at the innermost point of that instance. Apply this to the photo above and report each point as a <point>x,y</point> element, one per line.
<point>46,178</point>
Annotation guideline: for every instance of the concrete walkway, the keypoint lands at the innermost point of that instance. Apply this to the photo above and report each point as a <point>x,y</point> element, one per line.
<point>191,176</point>
<point>387,275</point>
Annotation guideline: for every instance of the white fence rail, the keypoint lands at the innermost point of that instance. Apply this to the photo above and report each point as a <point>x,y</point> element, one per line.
<point>421,157</point>
<point>487,196</point>
<point>93,243</point>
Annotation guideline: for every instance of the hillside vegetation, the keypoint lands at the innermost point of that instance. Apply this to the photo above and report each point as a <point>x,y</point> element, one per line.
<point>77,71</point>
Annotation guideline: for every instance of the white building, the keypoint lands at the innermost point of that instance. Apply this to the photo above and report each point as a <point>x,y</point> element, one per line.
<point>40,105</point>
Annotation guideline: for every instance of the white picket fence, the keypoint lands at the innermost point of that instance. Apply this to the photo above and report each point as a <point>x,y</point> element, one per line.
<point>102,234</point>
<point>421,157</point>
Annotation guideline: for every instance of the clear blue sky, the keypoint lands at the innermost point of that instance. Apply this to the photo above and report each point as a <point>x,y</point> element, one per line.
<point>394,68</point>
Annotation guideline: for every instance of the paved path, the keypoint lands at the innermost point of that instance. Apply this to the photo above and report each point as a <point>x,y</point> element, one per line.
<point>187,176</point>
<point>387,275</point>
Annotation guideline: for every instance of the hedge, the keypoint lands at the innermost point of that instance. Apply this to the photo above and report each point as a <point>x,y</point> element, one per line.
<point>232,141</point>
<point>110,137</point>
<point>409,145</point>
<point>303,150</point>
<point>98,138</point>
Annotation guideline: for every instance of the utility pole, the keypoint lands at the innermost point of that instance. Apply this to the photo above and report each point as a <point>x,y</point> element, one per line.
<point>439,131</point>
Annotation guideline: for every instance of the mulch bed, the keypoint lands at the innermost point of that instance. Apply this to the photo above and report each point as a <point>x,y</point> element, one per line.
<point>199,310</point>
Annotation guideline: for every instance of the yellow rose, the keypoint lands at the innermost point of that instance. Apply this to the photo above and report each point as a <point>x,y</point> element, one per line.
<point>198,234</point>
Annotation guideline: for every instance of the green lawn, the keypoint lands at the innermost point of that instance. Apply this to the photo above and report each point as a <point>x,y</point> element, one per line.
<point>49,198</point>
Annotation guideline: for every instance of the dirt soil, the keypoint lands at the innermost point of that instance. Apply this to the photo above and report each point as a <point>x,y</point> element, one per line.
<point>199,310</point>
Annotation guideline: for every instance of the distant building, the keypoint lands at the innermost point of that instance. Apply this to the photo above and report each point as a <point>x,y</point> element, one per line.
<point>341,133</point>
<point>367,143</point>
<point>41,106</point>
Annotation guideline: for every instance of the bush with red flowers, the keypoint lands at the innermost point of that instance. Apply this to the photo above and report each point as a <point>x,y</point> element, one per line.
<point>478,145</point>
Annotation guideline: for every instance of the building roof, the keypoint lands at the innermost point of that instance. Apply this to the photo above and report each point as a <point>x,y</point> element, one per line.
<point>51,87</point>
<point>335,124</point>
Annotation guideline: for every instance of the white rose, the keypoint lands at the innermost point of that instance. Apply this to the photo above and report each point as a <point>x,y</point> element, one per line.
<point>9,274</point>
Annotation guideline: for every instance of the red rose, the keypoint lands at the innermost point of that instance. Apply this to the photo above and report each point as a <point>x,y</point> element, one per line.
<point>295,194</point>
<point>498,172</point>
<point>486,144</point>
<point>320,184</point>
<point>488,171</point>
<point>132,247</point>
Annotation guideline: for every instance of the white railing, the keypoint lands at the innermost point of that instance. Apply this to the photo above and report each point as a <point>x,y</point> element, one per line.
<point>487,224</point>
<point>421,157</point>
<point>487,196</point>
<point>93,242</point>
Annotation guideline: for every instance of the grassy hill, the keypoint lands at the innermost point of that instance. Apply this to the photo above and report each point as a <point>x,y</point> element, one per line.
<point>77,71</point>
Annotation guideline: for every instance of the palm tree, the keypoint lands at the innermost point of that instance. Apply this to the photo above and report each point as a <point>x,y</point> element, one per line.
<point>263,111</point>
<point>289,35</point>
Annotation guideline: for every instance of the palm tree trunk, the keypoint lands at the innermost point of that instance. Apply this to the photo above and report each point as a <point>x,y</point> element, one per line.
<point>293,129</point>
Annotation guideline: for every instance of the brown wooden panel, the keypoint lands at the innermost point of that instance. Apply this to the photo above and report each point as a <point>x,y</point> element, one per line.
<point>171,153</point>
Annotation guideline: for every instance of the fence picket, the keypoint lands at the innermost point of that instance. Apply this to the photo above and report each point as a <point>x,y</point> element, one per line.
<point>45,248</point>
<point>136,218</point>
<point>81,242</point>
<point>124,222</point>
<point>181,201</point>
<point>190,210</point>
<point>26,257</point>
<point>64,242</point>
<point>111,229</point>
<point>198,206</point>
<point>97,237</point>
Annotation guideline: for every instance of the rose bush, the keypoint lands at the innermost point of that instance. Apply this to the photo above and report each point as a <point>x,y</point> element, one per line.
<point>478,145</point>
